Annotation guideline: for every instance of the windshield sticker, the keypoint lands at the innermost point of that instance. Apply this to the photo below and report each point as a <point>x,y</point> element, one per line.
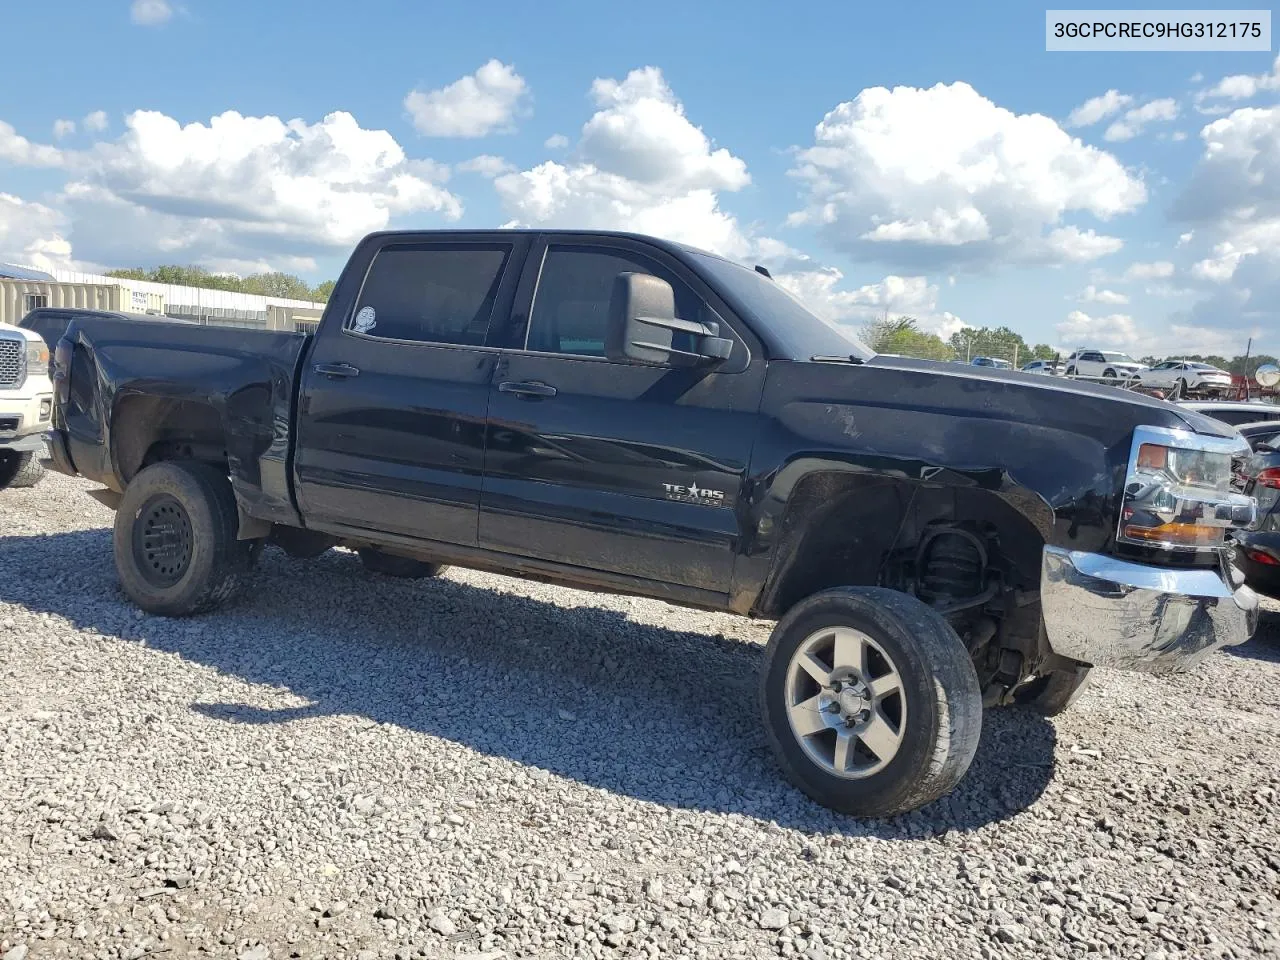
<point>365,320</point>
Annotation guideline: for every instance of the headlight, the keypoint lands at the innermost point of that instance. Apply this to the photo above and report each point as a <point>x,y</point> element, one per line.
<point>1177,493</point>
<point>37,356</point>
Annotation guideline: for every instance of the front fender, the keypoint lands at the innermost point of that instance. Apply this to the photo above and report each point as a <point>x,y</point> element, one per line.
<point>1054,456</point>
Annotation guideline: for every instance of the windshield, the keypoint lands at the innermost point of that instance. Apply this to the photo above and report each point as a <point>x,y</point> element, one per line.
<point>775,312</point>
<point>1119,358</point>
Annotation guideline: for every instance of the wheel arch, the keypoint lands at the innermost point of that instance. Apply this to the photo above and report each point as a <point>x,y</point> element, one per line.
<point>149,429</point>
<point>835,525</point>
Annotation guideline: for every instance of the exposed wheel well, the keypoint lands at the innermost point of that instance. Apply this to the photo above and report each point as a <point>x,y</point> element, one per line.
<point>147,430</point>
<point>964,550</point>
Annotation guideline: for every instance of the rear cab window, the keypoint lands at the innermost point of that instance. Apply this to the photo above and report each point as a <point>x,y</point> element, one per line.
<point>437,293</point>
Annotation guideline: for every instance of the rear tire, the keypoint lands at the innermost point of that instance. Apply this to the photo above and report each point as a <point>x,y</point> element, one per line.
<point>389,565</point>
<point>176,550</point>
<point>301,544</point>
<point>886,734</point>
<point>1056,693</point>
<point>19,469</point>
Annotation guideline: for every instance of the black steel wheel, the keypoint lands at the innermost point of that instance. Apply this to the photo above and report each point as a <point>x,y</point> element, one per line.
<point>175,540</point>
<point>162,541</point>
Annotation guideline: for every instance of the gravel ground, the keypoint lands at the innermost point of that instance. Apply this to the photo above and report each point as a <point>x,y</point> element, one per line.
<point>343,765</point>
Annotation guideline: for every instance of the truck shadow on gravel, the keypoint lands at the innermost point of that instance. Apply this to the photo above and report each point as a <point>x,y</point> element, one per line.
<point>1265,644</point>
<point>590,694</point>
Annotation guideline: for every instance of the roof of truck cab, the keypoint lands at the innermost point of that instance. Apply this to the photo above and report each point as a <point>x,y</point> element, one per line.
<point>669,245</point>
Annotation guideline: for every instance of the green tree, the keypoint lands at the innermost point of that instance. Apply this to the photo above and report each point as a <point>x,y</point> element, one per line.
<point>274,284</point>
<point>999,342</point>
<point>902,336</point>
<point>324,291</point>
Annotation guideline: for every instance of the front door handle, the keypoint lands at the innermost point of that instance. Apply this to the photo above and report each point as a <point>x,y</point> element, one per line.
<point>529,389</point>
<point>337,371</point>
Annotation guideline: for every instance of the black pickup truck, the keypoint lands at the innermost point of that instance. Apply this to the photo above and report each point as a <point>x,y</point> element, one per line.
<point>620,413</point>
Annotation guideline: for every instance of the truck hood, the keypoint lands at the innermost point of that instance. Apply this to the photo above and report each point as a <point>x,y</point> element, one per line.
<point>1017,395</point>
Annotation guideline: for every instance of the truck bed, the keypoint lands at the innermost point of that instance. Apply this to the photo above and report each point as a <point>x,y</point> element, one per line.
<point>138,378</point>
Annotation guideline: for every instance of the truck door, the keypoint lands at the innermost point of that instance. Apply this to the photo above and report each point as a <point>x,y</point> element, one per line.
<point>394,393</point>
<point>616,467</point>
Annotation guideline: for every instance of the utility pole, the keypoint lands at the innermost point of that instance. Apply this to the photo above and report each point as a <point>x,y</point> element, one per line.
<point>1248,391</point>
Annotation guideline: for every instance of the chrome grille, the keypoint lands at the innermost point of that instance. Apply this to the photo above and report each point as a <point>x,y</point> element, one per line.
<point>12,355</point>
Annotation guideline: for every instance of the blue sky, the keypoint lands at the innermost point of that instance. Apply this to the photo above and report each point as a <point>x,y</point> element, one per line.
<point>960,191</point>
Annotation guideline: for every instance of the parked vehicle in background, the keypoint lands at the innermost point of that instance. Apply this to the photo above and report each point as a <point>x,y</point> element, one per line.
<point>1187,377</point>
<point>994,362</point>
<point>1258,546</point>
<point>26,402</point>
<point>620,413</point>
<point>51,322</point>
<point>1049,368</point>
<point>1234,412</point>
<point>1102,363</point>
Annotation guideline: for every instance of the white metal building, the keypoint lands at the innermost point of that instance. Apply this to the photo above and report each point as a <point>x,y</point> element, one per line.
<point>29,289</point>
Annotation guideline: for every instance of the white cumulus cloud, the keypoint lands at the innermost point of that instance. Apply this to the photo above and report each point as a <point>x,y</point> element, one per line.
<point>151,13</point>
<point>639,164</point>
<point>237,188</point>
<point>20,151</point>
<point>1136,120</point>
<point>1099,108</point>
<point>96,121</point>
<point>557,141</point>
<point>31,234</point>
<point>63,128</point>
<point>1149,270</point>
<point>486,165</point>
<point>476,105</point>
<point>1093,294</point>
<point>818,288</point>
<point>943,177</point>
<point>1243,86</point>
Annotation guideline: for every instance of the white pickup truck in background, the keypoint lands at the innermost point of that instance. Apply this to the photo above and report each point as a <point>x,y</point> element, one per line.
<point>26,403</point>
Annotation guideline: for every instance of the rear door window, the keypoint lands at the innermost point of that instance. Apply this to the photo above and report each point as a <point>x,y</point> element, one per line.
<point>430,293</point>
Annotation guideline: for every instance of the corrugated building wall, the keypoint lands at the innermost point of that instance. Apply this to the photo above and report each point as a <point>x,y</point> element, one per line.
<point>19,297</point>
<point>216,307</point>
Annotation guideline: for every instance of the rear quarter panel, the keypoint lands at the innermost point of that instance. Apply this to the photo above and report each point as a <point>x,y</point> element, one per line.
<point>247,377</point>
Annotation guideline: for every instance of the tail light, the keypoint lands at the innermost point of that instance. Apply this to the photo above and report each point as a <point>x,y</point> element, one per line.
<point>1257,556</point>
<point>1269,477</point>
<point>62,371</point>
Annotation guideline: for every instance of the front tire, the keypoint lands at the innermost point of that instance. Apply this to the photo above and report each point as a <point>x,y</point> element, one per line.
<point>175,540</point>
<point>870,701</point>
<point>1056,693</point>
<point>19,469</point>
<point>1108,374</point>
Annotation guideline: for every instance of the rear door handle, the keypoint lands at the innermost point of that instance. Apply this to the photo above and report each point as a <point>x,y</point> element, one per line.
<point>337,371</point>
<point>527,388</point>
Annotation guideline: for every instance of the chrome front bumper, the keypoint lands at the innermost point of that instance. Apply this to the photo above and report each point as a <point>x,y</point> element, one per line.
<point>1104,611</point>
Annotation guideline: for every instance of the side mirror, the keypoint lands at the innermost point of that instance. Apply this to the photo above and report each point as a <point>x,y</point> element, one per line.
<point>642,324</point>
<point>1267,375</point>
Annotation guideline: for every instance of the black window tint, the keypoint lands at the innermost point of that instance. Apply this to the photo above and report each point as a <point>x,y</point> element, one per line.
<point>430,294</point>
<point>571,305</point>
<point>1235,417</point>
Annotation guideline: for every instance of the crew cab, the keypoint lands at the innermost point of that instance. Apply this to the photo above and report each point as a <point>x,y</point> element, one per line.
<point>615,412</point>
<point>26,405</point>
